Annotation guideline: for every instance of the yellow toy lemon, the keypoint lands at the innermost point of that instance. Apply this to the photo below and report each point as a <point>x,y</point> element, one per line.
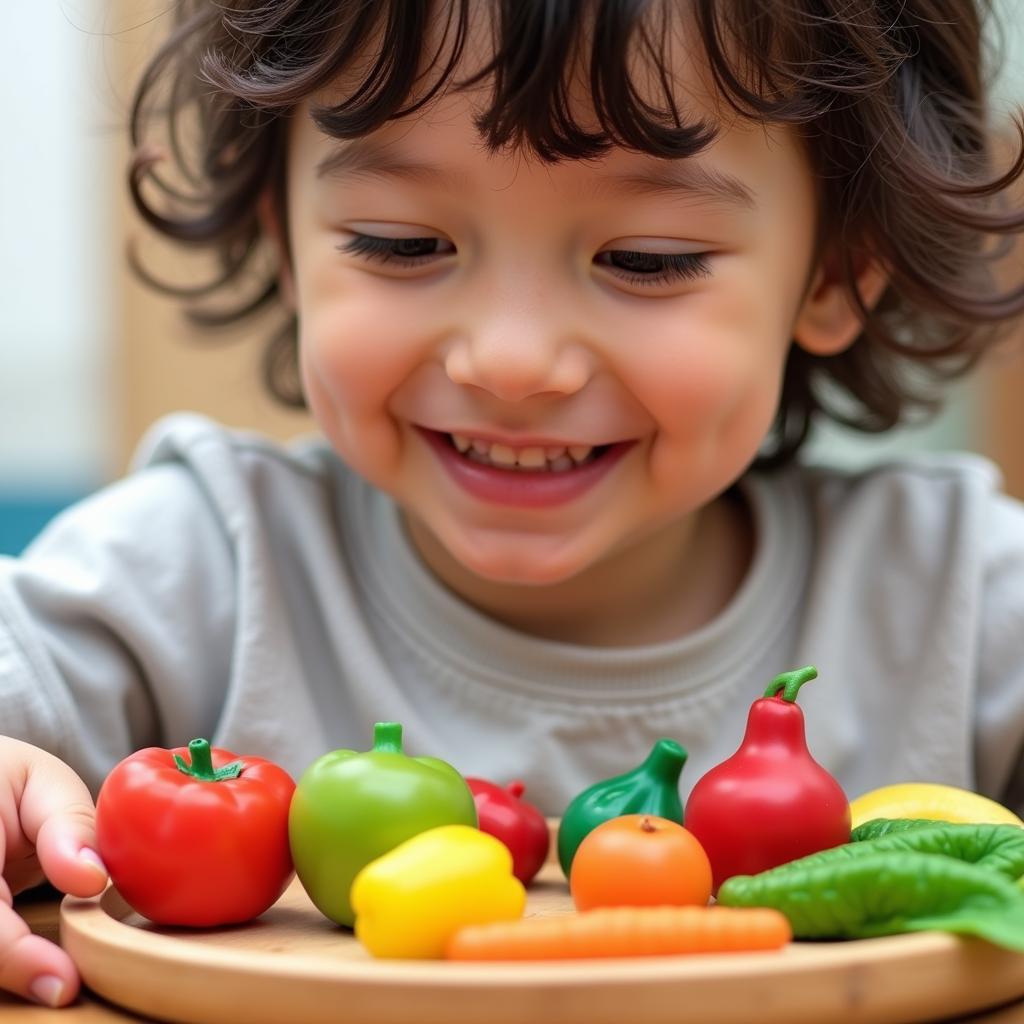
<point>409,902</point>
<point>930,800</point>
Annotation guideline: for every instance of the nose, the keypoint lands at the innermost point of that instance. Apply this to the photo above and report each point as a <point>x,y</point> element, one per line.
<point>515,354</point>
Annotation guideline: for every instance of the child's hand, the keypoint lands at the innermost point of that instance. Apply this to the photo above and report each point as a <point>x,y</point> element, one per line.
<point>46,832</point>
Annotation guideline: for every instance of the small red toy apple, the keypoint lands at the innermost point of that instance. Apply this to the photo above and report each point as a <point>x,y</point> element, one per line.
<point>519,825</point>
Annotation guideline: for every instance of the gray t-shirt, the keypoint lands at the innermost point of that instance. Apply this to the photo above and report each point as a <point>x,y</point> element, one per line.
<point>268,599</point>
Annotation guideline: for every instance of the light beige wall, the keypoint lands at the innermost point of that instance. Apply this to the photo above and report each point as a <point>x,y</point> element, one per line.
<point>163,363</point>
<point>1001,409</point>
<point>168,365</point>
<point>1003,422</point>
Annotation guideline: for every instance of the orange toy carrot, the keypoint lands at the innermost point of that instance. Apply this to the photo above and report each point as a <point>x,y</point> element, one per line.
<point>624,931</point>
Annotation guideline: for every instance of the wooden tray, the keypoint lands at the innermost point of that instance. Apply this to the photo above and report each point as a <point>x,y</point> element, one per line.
<point>292,964</point>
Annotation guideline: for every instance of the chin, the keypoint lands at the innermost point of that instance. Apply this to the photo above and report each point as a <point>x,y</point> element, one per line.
<point>518,566</point>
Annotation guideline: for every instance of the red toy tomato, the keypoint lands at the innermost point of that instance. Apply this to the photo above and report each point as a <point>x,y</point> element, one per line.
<point>519,825</point>
<point>202,843</point>
<point>639,860</point>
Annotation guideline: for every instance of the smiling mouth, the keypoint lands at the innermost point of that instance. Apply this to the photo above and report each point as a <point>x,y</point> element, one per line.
<point>532,459</point>
<point>530,477</point>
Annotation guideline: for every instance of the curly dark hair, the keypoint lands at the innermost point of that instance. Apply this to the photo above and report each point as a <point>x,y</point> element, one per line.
<point>890,96</point>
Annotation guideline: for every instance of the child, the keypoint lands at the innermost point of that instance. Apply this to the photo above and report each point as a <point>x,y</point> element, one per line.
<point>566,284</point>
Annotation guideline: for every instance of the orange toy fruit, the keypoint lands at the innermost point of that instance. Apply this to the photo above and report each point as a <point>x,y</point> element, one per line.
<point>640,860</point>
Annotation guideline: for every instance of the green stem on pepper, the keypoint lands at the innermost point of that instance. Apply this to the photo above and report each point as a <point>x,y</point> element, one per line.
<point>202,768</point>
<point>387,737</point>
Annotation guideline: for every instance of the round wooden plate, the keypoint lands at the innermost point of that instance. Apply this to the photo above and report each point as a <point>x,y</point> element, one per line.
<point>292,964</point>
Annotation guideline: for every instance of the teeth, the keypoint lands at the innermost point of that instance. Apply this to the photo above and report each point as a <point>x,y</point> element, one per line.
<point>556,458</point>
<point>503,455</point>
<point>531,458</point>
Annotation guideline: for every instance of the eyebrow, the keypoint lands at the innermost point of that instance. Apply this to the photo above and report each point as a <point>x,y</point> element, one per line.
<point>362,158</point>
<point>681,179</point>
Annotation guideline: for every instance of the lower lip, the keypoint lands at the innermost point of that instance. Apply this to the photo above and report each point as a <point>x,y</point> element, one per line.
<point>522,488</point>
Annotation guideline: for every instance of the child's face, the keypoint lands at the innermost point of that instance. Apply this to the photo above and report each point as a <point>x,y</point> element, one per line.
<point>538,306</point>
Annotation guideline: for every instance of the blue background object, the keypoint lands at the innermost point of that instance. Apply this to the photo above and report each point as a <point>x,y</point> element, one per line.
<point>22,516</point>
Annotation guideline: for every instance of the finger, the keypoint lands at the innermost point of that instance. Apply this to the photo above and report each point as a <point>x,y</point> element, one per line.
<point>58,818</point>
<point>32,967</point>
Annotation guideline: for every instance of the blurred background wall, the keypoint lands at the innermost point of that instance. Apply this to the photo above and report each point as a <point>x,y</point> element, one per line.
<point>57,318</point>
<point>89,358</point>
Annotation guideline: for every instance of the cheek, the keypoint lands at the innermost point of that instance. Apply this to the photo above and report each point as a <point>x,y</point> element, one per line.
<point>356,352</point>
<point>352,360</point>
<point>718,362</point>
<point>722,414</point>
<point>712,381</point>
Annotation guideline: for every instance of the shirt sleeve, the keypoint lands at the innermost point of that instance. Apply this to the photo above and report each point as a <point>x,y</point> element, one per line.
<point>116,624</point>
<point>1000,680</point>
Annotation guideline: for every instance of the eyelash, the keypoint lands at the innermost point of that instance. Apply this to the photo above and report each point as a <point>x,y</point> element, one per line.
<point>685,266</point>
<point>380,249</point>
<point>675,266</point>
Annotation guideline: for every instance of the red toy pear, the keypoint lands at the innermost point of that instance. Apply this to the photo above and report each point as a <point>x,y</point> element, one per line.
<point>771,802</point>
<point>504,814</point>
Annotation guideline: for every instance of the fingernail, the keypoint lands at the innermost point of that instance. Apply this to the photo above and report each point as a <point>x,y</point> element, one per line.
<point>92,858</point>
<point>47,989</point>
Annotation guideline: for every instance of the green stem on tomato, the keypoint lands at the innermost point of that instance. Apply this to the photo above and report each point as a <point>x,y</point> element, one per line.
<point>202,768</point>
<point>790,682</point>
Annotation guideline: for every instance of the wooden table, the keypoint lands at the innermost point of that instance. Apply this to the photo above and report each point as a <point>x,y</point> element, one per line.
<point>41,912</point>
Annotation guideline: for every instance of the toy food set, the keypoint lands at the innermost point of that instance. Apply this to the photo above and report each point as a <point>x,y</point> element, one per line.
<point>400,860</point>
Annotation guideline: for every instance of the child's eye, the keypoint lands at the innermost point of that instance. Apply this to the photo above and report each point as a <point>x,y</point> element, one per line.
<point>408,252</point>
<point>650,268</point>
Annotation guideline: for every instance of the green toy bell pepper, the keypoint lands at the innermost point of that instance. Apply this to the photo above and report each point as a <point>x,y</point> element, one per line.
<point>350,808</point>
